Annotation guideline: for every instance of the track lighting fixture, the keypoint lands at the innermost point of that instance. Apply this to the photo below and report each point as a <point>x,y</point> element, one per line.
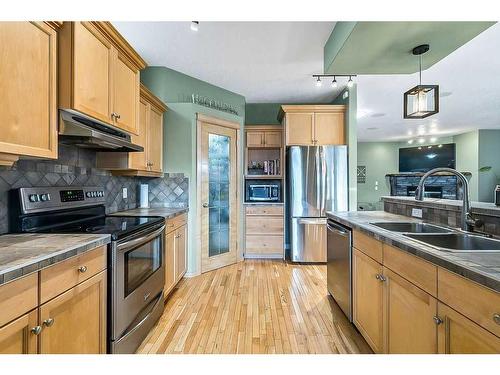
<point>334,83</point>
<point>318,82</point>
<point>195,25</point>
<point>350,83</point>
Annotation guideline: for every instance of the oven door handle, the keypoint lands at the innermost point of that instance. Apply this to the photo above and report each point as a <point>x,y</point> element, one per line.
<point>141,240</point>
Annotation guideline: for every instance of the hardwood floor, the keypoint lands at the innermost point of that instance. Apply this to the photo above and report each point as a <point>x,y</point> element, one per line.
<point>255,306</point>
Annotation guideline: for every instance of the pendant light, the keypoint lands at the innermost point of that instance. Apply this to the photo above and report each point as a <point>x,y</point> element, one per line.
<point>422,100</point>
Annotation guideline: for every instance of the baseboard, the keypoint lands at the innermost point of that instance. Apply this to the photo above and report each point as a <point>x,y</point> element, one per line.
<point>263,256</point>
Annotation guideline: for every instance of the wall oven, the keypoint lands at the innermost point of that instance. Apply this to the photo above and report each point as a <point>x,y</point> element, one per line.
<point>263,191</point>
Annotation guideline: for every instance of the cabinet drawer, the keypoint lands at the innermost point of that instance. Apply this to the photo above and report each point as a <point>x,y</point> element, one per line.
<point>413,269</point>
<point>476,302</point>
<point>264,210</point>
<point>368,245</point>
<point>264,244</point>
<point>264,225</point>
<point>175,222</point>
<point>62,276</point>
<point>18,297</point>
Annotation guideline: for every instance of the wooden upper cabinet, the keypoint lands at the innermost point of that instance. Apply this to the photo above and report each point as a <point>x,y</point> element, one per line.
<point>75,321</point>
<point>155,139</point>
<point>368,299</point>
<point>17,337</point>
<point>408,317</point>
<point>138,160</point>
<point>329,129</point>
<point>459,335</point>
<point>314,125</point>
<point>299,129</point>
<point>28,113</point>
<point>255,139</point>
<point>99,74</point>
<point>272,139</point>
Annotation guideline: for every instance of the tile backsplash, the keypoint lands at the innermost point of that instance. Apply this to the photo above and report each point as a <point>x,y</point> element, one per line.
<point>76,167</point>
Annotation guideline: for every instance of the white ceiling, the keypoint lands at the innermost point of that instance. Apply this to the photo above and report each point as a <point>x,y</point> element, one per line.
<point>264,61</point>
<point>471,74</point>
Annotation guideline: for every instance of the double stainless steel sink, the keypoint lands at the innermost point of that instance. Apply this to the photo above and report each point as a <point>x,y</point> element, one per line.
<point>442,238</point>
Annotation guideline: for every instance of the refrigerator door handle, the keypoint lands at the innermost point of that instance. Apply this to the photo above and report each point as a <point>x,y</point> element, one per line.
<point>312,221</point>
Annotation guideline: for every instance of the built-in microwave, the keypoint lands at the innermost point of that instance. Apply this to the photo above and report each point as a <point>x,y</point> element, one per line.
<point>263,190</point>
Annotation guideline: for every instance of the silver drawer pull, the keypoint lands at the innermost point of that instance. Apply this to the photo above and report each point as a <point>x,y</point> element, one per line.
<point>36,330</point>
<point>437,320</point>
<point>48,322</point>
<point>82,269</point>
<point>496,318</point>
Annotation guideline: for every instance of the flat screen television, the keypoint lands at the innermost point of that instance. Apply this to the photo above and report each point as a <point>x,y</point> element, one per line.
<point>425,158</point>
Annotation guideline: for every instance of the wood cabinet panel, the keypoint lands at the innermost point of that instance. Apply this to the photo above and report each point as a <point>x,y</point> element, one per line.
<point>264,210</point>
<point>408,317</point>
<point>17,337</point>
<point>255,139</point>
<point>170,265</point>
<point>176,222</point>
<point>421,273</point>
<point>264,225</point>
<point>18,297</point>
<point>299,129</point>
<point>180,252</point>
<point>368,245</point>
<point>92,72</point>
<point>272,139</point>
<point>28,113</point>
<point>263,245</point>
<point>138,160</point>
<point>68,273</point>
<point>155,140</point>
<point>75,321</point>
<point>329,129</point>
<point>368,299</point>
<point>459,335</point>
<point>475,301</point>
<point>126,94</point>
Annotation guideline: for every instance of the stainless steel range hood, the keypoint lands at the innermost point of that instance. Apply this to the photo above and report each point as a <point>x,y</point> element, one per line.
<point>83,131</point>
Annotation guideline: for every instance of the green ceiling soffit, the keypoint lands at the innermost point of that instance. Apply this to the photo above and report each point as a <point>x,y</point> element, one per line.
<point>385,47</point>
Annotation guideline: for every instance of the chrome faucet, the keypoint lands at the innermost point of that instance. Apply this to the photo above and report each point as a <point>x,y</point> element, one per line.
<point>467,221</point>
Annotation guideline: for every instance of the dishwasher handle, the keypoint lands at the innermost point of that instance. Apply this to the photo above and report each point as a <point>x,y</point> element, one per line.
<point>338,229</point>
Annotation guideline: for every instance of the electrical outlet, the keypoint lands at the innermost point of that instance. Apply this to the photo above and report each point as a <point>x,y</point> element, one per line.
<point>124,193</point>
<point>416,212</point>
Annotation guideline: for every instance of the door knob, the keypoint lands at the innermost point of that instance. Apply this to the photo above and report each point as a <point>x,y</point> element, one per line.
<point>205,205</point>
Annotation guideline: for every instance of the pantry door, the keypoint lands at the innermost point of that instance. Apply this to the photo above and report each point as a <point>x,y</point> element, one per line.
<point>218,191</point>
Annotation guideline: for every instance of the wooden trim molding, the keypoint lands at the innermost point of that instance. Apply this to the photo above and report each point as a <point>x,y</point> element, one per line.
<point>250,127</point>
<point>306,108</point>
<point>56,25</point>
<point>153,99</point>
<point>218,121</point>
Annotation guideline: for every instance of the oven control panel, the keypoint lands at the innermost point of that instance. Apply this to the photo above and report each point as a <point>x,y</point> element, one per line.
<point>39,199</point>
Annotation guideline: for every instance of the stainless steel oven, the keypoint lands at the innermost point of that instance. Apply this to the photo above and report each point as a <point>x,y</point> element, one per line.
<point>136,288</point>
<point>263,191</point>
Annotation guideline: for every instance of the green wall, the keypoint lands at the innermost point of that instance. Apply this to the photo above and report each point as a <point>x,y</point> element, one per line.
<point>467,148</point>
<point>179,136</point>
<point>489,155</point>
<point>262,113</point>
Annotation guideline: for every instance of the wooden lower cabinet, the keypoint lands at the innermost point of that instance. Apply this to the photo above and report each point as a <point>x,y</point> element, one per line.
<point>180,252</point>
<point>17,337</point>
<point>459,335</point>
<point>264,227</point>
<point>368,299</point>
<point>409,314</point>
<point>75,321</point>
<point>175,252</point>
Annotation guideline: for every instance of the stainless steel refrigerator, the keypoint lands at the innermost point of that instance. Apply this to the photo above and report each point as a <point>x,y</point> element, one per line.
<point>317,182</point>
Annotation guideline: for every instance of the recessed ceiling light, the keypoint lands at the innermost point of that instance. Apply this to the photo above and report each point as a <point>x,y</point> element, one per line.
<point>195,25</point>
<point>421,140</point>
<point>410,141</point>
<point>419,147</point>
<point>433,139</point>
<point>440,146</point>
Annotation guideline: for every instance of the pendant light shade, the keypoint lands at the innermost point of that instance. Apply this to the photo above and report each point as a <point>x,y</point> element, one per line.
<point>422,100</point>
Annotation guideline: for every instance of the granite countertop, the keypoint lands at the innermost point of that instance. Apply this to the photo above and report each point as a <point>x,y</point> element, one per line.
<point>166,212</point>
<point>483,268</point>
<point>22,254</point>
<point>486,208</point>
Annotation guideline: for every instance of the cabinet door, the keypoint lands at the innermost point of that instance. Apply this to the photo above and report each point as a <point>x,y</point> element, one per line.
<point>272,139</point>
<point>180,248</point>
<point>255,139</point>
<point>75,321</point>
<point>138,160</point>
<point>368,299</point>
<point>92,72</point>
<point>299,129</point>
<point>17,337</point>
<point>28,113</point>
<point>329,129</point>
<point>155,140</point>
<point>459,335</point>
<point>126,94</point>
<point>408,317</point>
<point>170,262</point>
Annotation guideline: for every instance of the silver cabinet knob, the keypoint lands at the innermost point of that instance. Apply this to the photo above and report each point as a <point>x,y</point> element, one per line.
<point>377,276</point>
<point>82,269</point>
<point>380,277</point>
<point>437,320</point>
<point>205,205</point>
<point>496,318</point>
<point>48,322</point>
<point>36,330</point>
<point>117,115</point>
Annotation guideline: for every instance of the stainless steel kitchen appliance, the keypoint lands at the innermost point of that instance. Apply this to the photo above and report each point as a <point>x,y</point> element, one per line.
<point>263,191</point>
<point>136,268</point>
<point>339,265</point>
<point>317,182</point>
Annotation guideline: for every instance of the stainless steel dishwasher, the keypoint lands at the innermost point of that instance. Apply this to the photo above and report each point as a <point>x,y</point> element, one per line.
<point>339,265</point>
